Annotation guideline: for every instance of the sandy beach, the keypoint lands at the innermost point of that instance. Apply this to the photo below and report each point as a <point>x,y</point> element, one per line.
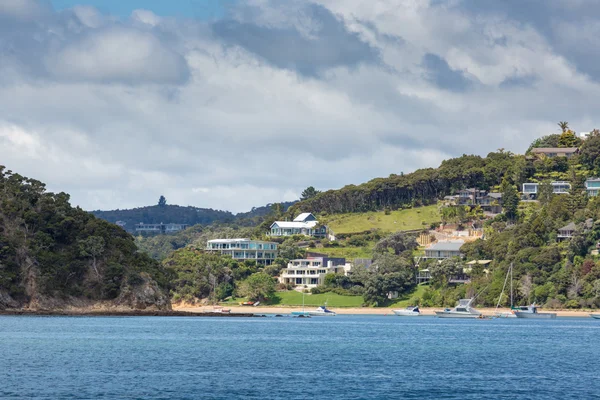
<point>364,310</point>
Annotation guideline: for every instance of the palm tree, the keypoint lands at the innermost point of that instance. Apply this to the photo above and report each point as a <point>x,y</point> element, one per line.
<point>564,125</point>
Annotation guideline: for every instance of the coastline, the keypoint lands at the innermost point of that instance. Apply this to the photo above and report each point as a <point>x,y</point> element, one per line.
<point>428,311</point>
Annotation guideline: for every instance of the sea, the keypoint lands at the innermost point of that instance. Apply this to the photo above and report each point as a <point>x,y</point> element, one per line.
<point>341,357</point>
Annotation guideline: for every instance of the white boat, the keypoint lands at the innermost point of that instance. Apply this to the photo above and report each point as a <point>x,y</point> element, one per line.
<point>531,312</point>
<point>462,310</point>
<point>595,316</point>
<point>511,313</point>
<point>411,311</point>
<point>321,311</point>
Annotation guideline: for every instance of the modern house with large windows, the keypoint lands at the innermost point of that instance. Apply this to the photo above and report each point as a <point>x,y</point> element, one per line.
<point>245,249</point>
<point>443,250</point>
<point>304,224</point>
<point>530,189</point>
<point>158,228</point>
<point>592,186</point>
<point>311,271</point>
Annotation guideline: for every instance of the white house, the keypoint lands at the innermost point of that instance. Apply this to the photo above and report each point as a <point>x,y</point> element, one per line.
<point>245,249</point>
<point>442,250</point>
<point>304,224</point>
<point>311,271</point>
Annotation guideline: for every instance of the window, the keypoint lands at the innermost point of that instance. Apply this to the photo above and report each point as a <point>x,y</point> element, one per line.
<point>314,281</point>
<point>298,281</point>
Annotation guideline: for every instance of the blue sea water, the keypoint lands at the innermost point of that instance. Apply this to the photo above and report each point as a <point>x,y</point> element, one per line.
<point>342,357</point>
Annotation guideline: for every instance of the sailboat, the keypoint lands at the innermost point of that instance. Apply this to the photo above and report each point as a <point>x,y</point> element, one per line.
<point>303,314</point>
<point>506,314</point>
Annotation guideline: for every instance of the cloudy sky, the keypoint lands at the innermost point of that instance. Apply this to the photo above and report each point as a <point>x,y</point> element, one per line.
<point>231,104</point>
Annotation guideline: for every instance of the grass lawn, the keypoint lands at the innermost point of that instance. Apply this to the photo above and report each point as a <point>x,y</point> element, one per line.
<point>404,300</point>
<point>401,220</point>
<point>294,298</point>
<point>346,252</point>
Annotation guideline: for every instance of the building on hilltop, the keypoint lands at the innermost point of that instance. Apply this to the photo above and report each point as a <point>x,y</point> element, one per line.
<point>555,151</point>
<point>443,250</point>
<point>488,201</point>
<point>530,189</point>
<point>311,271</point>
<point>592,186</point>
<point>244,249</point>
<point>159,228</point>
<point>304,224</point>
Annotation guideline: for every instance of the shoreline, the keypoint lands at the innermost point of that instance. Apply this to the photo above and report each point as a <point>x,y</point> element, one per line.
<point>427,311</point>
<point>122,313</point>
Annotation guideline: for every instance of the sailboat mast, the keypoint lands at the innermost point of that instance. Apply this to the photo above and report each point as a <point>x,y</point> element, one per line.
<point>511,287</point>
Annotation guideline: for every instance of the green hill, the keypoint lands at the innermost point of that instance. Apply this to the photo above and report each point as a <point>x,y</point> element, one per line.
<point>392,221</point>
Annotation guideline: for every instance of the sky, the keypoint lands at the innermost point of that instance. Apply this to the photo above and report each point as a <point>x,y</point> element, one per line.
<point>234,104</point>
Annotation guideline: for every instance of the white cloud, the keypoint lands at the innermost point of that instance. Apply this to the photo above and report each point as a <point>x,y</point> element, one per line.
<point>118,113</point>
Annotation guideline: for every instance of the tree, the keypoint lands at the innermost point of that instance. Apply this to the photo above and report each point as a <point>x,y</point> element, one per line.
<point>277,209</point>
<point>92,247</point>
<point>545,192</point>
<point>398,242</point>
<point>590,153</point>
<point>309,193</point>
<point>162,201</point>
<point>526,287</point>
<point>564,125</point>
<point>510,199</point>
<point>441,272</point>
<point>568,139</point>
<point>257,287</point>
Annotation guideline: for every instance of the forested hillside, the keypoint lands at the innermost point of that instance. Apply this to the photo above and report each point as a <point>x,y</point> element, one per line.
<point>53,255</point>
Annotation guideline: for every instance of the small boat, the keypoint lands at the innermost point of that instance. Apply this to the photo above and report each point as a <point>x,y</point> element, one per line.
<point>531,312</point>
<point>321,311</point>
<point>220,310</point>
<point>595,316</point>
<point>462,310</point>
<point>410,311</point>
<point>247,303</point>
<point>505,314</point>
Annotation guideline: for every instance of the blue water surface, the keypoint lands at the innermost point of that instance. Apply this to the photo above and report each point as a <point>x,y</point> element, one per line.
<point>342,357</point>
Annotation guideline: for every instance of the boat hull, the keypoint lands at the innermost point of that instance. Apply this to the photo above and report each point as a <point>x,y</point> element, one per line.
<point>505,315</point>
<point>520,314</point>
<point>442,314</point>
<point>595,316</point>
<point>403,313</point>
<point>317,314</point>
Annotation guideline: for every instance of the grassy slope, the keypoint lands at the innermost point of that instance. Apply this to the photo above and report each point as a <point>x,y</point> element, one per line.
<point>347,252</point>
<point>294,298</point>
<point>401,220</point>
<point>405,300</point>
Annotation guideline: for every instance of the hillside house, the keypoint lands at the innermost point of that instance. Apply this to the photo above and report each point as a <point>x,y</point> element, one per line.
<point>304,224</point>
<point>488,201</point>
<point>567,231</point>
<point>241,249</point>
<point>159,228</point>
<point>530,189</point>
<point>555,151</point>
<point>311,271</point>
<point>443,250</point>
<point>592,186</point>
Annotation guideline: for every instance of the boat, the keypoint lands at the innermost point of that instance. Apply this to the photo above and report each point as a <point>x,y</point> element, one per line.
<point>595,316</point>
<point>462,310</point>
<point>511,313</point>
<point>531,312</point>
<point>220,310</point>
<point>410,311</point>
<point>301,314</point>
<point>321,311</point>
<point>247,303</point>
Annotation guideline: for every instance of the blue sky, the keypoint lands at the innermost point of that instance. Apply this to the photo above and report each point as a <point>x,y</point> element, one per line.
<point>202,9</point>
<point>232,104</point>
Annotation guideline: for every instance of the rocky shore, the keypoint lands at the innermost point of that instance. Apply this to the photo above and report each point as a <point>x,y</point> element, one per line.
<point>123,313</point>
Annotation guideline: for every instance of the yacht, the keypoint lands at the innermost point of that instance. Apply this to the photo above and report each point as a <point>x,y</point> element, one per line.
<point>511,313</point>
<point>411,311</point>
<point>462,310</point>
<point>595,316</point>
<point>321,311</point>
<point>531,312</point>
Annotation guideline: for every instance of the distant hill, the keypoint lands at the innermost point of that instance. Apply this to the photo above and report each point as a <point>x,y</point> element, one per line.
<point>165,214</point>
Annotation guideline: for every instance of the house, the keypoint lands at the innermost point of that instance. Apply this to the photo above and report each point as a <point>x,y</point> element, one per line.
<point>470,197</point>
<point>592,186</point>
<point>304,224</point>
<point>530,189</point>
<point>159,228</point>
<point>488,201</point>
<point>311,271</point>
<point>567,231</point>
<point>555,151</point>
<point>244,249</point>
<point>443,250</point>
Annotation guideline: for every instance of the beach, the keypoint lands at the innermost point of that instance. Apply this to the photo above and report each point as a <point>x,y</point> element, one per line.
<point>364,310</point>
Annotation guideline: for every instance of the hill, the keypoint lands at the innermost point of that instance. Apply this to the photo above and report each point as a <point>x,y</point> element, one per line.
<point>55,256</point>
<point>166,214</point>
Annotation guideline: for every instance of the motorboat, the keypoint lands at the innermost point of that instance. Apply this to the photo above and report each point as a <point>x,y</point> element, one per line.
<point>220,310</point>
<point>531,312</point>
<point>321,311</point>
<point>462,310</point>
<point>410,311</point>
<point>505,314</point>
<point>595,316</point>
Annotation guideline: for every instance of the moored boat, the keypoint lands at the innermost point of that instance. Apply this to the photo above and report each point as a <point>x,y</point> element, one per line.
<point>410,311</point>
<point>595,316</point>
<point>321,311</point>
<point>220,310</point>
<point>462,310</point>
<point>531,312</point>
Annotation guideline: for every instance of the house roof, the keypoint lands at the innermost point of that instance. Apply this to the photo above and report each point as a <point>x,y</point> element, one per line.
<point>237,240</point>
<point>302,217</point>
<point>593,180</point>
<point>480,262</point>
<point>569,227</point>
<point>294,224</point>
<point>495,195</point>
<point>446,246</point>
<point>544,150</point>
